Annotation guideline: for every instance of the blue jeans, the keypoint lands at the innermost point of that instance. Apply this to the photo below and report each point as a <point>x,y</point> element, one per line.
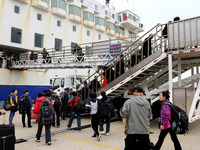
<point>11,117</point>
<point>107,125</point>
<point>72,115</point>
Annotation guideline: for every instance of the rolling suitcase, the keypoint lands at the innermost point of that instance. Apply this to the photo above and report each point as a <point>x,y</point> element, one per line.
<point>7,136</point>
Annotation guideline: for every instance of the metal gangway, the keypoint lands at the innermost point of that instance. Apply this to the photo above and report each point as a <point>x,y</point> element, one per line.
<point>173,55</point>
<point>84,55</point>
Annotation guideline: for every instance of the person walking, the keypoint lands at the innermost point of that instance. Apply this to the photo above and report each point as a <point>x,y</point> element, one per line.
<point>120,66</point>
<point>64,104</point>
<point>57,107</point>
<point>73,102</point>
<point>14,105</point>
<point>136,114</point>
<point>101,122</point>
<point>25,105</point>
<point>165,127</point>
<point>92,106</point>
<point>39,119</point>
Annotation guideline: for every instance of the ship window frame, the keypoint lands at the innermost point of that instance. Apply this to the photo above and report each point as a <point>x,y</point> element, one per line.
<point>17,9</point>
<point>99,36</point>
<point>14,33</point>
<point>39,17</point>
<point>38,37</point>
<point>88,33</point>
<point>58,47</point>
<point>71,11</point>
<point>58,23</point>
<point>74,28</point>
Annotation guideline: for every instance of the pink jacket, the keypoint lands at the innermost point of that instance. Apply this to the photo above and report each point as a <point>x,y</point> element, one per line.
<point>165,114</point>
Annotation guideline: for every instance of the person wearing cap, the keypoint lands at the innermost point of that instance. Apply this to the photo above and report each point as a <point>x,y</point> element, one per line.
<point>136,114</point>
<point>147,49</point>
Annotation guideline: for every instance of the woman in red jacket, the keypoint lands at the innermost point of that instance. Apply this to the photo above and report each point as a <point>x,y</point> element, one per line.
<point>47,93</point>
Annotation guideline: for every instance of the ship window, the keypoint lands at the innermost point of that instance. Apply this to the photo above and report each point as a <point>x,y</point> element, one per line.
<point>74,28</point>
<point>88,33</point>
<point>62,4</point>
<point>99,36</point>
<point>77,11</point>
<point>112,26</point>
<point>107,25</point>
<point>130,34</point>
<point>38,40</point>
<point>39,17</point>
<point>45,1</point>
<point>100,21</point>
<point>106,12</point>
<point>54,3</point>
<point>119,18</point>
<point>96,7</point>
<point>91,17</point>
<point>130,16</point>
<point>71,9</point>
<point>117,29</point>
<point>17,9</point>
<point>58,23</point>
<point>134,36</point>
<point>16,35</point>
<point>97,20</point>
<point>58,44</point>
<point>122,30</point>
<point>85,15</point>
<point>113,16</point>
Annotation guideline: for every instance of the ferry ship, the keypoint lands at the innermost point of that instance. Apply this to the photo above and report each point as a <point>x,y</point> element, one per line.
<point>31,25</point>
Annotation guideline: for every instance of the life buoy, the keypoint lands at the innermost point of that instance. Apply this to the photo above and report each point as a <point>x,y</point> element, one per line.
<point>125,17</point>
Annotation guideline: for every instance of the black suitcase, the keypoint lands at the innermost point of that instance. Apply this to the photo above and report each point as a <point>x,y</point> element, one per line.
<point>7,136</point>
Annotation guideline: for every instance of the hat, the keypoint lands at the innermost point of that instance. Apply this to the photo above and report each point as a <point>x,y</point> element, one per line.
<point>138,89</point>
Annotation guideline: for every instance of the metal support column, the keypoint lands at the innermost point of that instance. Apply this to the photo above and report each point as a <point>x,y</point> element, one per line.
<point>179,73</point>
<point>170,76</point>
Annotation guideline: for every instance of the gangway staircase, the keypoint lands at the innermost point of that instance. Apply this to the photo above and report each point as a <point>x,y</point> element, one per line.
<point>171,58</point>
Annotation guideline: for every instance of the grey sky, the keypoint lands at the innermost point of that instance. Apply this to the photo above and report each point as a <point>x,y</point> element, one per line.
<point>161,11</point>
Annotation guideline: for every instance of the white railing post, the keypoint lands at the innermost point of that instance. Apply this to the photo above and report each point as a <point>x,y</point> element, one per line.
<point>170,77</point>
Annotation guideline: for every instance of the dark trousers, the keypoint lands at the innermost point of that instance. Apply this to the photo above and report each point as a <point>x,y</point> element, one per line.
<point>28,117</point>
<point>137,142</point>
<point>56,117</point>
<point>65,111</point>
<point>162,136</point>
<point>47,132</point>
<point>95,124</point>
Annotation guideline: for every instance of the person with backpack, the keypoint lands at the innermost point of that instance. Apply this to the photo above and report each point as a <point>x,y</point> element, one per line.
<point>14,105</point>
<point>165,126</point>
<point>57,107</point>
<point>92,106</point>
<point>72,102</point>
<point>111,111</point>
<point>65,99</point>
<point>25,105</point>
<point>44,110</point>
<point>136,115</point>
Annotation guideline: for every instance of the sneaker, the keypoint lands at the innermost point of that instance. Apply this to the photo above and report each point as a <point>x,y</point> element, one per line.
<point>94,136</point>
<point>99,137</point>
<point>29,126</point>
<point>68,128</point>
<point>48,143</point>
<point>107,133</point>
<point>102,132</point>
<point>58,126</point>
<point>24,125</point>
<point>36,140</point>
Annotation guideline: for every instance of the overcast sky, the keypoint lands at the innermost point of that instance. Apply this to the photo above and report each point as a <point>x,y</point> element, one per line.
<point>160,11</point>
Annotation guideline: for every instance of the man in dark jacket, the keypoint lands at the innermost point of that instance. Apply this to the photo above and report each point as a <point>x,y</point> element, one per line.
<point>95,86</point>
<point>120,66</point>
<point>65,99</point>
<point>147,49</point>
<point>25,104</point>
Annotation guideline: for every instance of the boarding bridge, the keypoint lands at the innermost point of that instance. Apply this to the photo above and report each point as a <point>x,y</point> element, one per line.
<point>172,57</point>
<point>85,55</point>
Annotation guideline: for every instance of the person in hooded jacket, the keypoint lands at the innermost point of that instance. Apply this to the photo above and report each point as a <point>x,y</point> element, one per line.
<point>165,126</point>
<point>47,93</point>
<point>92,106</point>
<point>104,99</point>
<point>14,104</point>
<point>136,115</point>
